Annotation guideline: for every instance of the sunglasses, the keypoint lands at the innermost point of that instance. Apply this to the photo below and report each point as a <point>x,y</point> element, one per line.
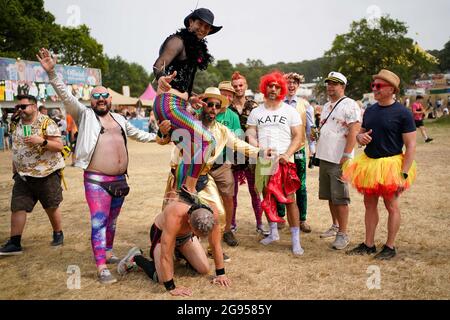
<point>271,85</point>
<point>378,86</point>
<point>214,104</point>
<point>23,106</point>
<point>104,95</point>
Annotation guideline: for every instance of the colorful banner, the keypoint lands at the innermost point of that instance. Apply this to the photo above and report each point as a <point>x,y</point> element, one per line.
<point>30,71</point>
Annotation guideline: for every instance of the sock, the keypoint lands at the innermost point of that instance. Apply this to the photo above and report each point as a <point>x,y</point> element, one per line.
<point>274,236</point>
<point>16,240</point>
<point>57,233</point>
<point>295,238</point>
<point>148,267</point>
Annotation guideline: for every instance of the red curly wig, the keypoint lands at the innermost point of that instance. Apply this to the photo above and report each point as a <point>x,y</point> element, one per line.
<point>237,75</point>
<point>277,77</point>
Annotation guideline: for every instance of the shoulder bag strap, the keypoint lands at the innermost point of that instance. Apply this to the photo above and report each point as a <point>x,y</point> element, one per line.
<point>331,112</point>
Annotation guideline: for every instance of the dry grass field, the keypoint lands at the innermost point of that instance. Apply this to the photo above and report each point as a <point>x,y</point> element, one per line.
<point>420,270</point>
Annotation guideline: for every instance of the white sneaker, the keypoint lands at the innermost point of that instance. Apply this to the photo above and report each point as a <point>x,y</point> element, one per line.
<point>299,252</point>
<point>341,241</point>
<point>127,264</point>
<point>105,277</point>
<point>332,232</point>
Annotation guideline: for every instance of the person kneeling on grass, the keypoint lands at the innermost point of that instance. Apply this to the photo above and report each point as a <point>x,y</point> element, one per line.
<point>176,231</point>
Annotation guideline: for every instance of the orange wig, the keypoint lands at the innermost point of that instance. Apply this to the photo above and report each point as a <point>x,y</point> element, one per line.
<point>276,77</point>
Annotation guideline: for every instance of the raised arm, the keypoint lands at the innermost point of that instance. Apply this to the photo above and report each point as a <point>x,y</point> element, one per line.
<point>73,106</point>
<point>171,48</point>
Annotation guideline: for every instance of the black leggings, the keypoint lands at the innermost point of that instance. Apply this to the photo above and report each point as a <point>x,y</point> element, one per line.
<point>148,266</point>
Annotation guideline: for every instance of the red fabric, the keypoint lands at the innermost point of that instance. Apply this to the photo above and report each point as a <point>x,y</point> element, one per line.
<point>282,183</point>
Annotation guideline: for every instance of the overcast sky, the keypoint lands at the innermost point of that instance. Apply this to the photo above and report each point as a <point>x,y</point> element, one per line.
<point>270,30</point>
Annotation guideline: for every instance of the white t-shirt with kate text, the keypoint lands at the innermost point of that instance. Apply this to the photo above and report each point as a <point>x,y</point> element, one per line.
<point>274,126</point>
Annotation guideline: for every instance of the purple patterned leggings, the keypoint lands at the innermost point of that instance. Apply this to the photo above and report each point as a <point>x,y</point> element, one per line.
<point>104,212</point>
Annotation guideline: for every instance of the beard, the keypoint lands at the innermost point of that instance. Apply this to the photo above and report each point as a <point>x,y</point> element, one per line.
<point>207,118</point>
<point>101,113</point>
<point>272,96</point>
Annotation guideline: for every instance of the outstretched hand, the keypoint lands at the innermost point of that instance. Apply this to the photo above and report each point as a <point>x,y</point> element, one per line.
<point>165,127</point>
<point>197,102</point>
<point>164,82</point>
<point>47,60</point>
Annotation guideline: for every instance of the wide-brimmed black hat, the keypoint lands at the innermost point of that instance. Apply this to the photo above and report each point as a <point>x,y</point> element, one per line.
<point>205,15</point>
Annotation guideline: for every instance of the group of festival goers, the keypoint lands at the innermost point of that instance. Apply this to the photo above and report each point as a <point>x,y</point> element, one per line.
<point>221,140</point>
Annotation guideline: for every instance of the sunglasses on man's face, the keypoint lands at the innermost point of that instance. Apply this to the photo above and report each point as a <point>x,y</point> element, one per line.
<point>214,104</point>
<point>104,95</point>
<point>378,86</point>
<point>271,85</point>
<point>23,106</point>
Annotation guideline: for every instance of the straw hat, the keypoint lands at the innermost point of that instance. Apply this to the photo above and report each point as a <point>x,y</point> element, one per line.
<point>226,85</point>
<point>389,77</point>
<point>213,92</point>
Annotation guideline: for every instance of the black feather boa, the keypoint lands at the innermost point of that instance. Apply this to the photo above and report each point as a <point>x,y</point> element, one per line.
<point>196,50</point>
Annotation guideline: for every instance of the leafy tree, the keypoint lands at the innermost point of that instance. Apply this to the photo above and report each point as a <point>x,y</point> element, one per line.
<point>76,47</point>
<point>25,27</point>
<point>444,58</point>
<point>225,69</point>
<point>205,79</point>
<point>121,73</point>
<point>363,51</point>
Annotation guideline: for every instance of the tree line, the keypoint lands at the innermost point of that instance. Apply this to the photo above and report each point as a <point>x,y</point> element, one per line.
<point>25,26</point>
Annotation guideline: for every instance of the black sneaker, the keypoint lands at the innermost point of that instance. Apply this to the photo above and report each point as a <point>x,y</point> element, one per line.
<point>362,249</point>
<point>10,249</point>
<point>230,239</point>
<point>386,253</point>
<point>58,239</point>
<point>429,140</point>
<point>310,163</point>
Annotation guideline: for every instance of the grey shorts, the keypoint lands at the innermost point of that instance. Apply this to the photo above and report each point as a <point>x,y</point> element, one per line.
<point>331,185</point>
<point>224,179</point>
<point>27,191</point>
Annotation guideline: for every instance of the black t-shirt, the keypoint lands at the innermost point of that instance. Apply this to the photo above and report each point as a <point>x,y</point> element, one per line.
<point>388,124</point>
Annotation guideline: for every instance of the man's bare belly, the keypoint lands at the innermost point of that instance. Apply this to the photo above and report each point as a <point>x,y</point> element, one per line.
<point>110,155</point>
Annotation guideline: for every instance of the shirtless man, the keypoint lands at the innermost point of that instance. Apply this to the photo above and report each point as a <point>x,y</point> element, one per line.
<point>102,136</point>
<point>176,230</point>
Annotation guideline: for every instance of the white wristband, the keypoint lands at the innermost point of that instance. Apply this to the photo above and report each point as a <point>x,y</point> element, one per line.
<point>347,155</point>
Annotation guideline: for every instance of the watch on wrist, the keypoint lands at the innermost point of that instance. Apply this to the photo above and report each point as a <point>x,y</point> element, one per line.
<point>44,143</point>
<point>405,175</point>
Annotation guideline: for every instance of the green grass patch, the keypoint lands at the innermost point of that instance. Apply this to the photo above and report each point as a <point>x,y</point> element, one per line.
<point>441,122</point>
